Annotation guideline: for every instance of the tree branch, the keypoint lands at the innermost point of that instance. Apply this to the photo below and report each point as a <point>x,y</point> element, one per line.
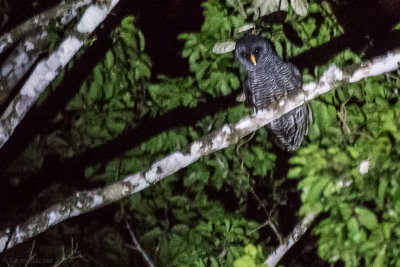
<point>19,62</point>
<point>85,201</point>
<point>137,246</point>
<point>33,43</point>
<point>290,240</point>
<point>63,11</point>
<point>47,69</point>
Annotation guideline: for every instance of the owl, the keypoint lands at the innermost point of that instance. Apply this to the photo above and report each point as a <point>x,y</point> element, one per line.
<point>270,79</point>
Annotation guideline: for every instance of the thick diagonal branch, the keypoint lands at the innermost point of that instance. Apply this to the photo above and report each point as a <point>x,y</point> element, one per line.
<point>86,201</point>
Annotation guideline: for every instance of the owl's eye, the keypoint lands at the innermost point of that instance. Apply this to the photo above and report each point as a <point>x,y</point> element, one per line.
<point>257,50</point>
<point>244,54</point>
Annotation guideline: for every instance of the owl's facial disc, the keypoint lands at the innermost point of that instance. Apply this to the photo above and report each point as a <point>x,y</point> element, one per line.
<point>253,59</point>
<point>252,51</point>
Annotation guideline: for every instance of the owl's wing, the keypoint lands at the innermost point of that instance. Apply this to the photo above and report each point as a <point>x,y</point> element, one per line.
<point>288,131</point>
<point>297,79</point>
<point>307,108</point>
<point>248,102</point>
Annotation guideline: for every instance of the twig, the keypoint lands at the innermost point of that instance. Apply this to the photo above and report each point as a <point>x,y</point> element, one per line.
<point>268,214</point>
<point>137,246</point>
<point>259,202</point>
<point>73,254</point>
<point>289,241</point>
<point>31,255</point>
<point>343,116</point>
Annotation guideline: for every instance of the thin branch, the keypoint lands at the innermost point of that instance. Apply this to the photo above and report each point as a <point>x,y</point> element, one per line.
<point>289,241</point>
<point>260,203</point>
<point>72,255</point>
<point>85,201</point>
<point>268,214</point>
<point>47,69</point>
<point>137,246</point>
<point>299,230</point>
<point>31,255</point>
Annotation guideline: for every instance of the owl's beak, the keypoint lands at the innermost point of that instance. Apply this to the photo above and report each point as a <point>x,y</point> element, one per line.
<point>253,59</point>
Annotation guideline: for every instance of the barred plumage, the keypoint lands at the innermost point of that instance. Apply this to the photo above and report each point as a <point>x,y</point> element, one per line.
<point>270,79</point>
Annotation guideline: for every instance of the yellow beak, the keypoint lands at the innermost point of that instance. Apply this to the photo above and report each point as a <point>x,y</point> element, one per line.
<point>253,59</point>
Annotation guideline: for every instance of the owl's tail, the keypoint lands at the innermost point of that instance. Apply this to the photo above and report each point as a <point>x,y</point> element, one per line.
<point>288,131</point>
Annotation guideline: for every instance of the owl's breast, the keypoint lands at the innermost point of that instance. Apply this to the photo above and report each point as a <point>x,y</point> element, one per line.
<point>263,87</point>
<point>270,84</point>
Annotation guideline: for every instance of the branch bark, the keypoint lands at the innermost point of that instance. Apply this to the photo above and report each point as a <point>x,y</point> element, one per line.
<point>19,62</point>
<point>47,69</point>
<point>63,11</point>
<point>85,201</point>
<point>33,43</point>
<point>137,246</point>
<point>290,240</point>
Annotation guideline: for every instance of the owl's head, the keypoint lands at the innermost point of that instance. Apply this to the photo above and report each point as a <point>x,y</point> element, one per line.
<point>252,50</point>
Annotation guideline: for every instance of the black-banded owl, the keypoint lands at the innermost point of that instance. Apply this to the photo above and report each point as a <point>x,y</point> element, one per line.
<point>270,79</point>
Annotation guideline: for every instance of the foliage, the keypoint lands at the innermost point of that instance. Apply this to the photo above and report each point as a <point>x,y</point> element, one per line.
<point>253,257</point>
<point>215,74</point>
<point>107,100</point>
<point>362,225</point>
<point>111,98</point>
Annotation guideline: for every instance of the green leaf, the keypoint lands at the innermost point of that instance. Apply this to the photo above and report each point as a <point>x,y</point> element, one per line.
<point>251,250</point>
<point>109,60</point>
<point>108,90</point>
<point>352,227</point>
<point>316,190</point>
<point>141,41</point>
<point>224,47</point>
<point>380,258</point>
<point>181,229</point>
<point>201,70</point>
<point>98,75</point>
<point>234,82</point>
<point>294,172</point>
<point>127,22</point>
<point>366,217</point>
<point>94,93</point>
<point>194,57</point>
<point>381,191</point>
<point>245,261</point>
